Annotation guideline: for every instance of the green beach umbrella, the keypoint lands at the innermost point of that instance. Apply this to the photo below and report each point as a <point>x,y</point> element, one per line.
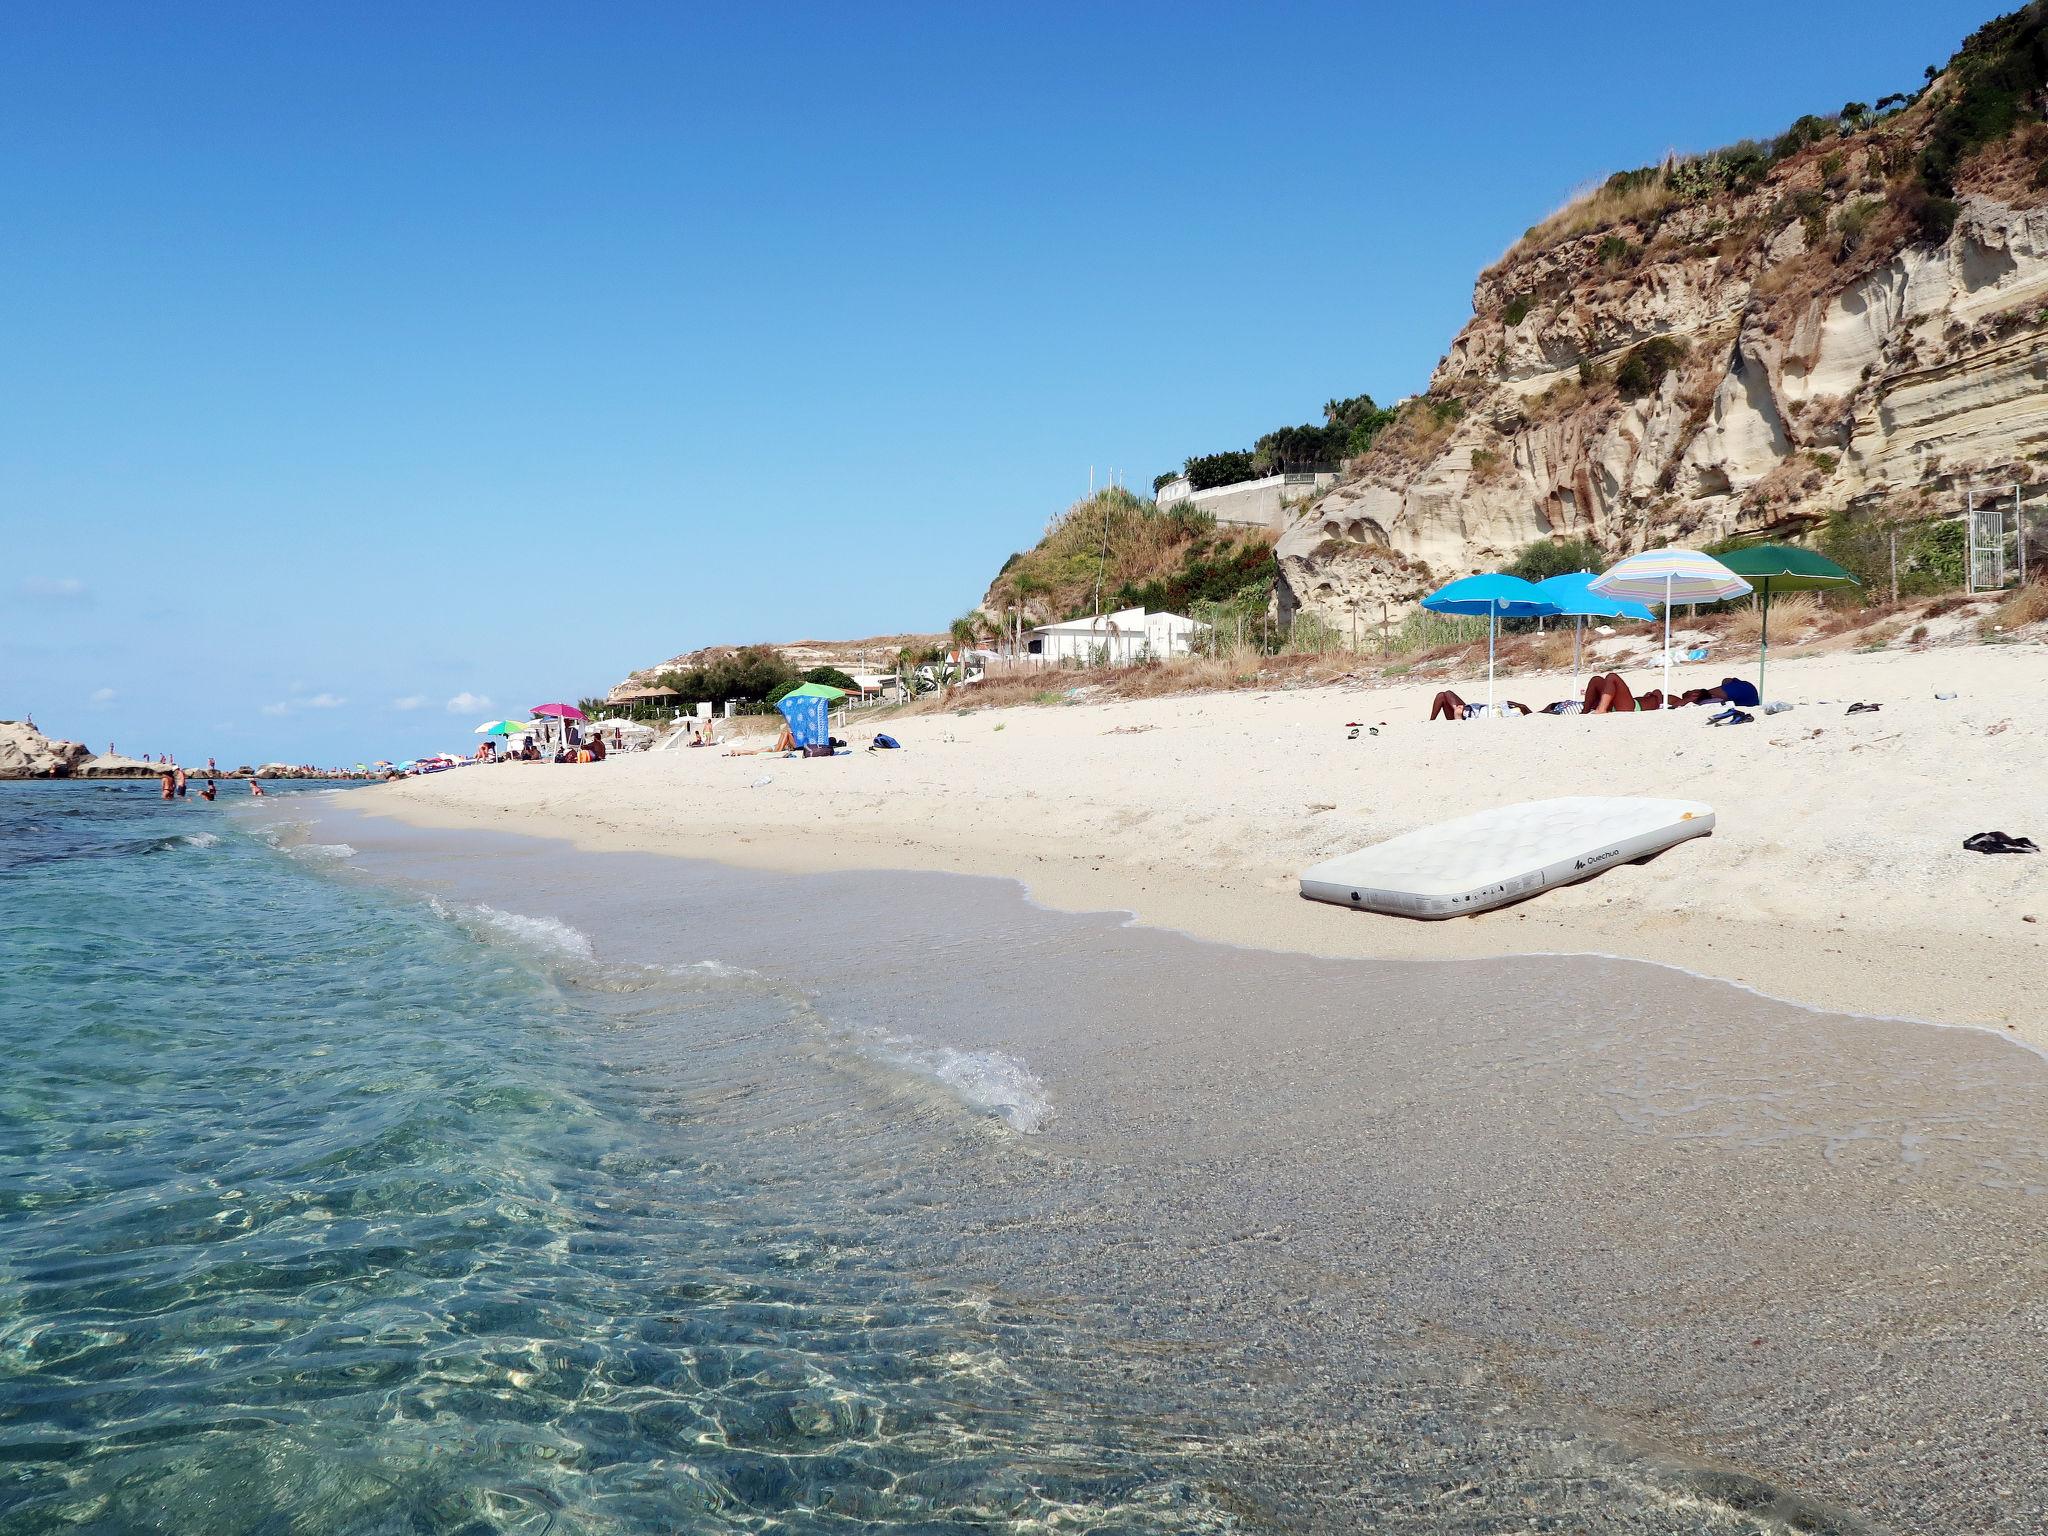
<point>816,691</point>
<point>1783,568</point>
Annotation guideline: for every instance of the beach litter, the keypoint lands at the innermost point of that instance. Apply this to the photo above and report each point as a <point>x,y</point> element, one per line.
<point>1998,842</point>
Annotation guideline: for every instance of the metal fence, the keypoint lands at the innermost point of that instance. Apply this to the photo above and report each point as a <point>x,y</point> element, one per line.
<point>2007,529</point>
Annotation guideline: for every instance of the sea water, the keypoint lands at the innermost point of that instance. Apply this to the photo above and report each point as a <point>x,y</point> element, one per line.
<point>354,1179</point>
<point>324,1209</point>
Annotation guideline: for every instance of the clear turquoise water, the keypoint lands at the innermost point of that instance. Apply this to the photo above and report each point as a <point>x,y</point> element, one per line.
<point>327,1209</point>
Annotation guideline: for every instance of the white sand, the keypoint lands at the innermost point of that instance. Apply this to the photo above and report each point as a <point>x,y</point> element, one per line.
<point>1836,876</point>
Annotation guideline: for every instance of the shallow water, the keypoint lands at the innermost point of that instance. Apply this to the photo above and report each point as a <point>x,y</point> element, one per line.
<point>325,1210</point>
<point>462,1183</point>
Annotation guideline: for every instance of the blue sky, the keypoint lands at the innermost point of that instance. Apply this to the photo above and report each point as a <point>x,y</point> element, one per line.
<point>362,362</point>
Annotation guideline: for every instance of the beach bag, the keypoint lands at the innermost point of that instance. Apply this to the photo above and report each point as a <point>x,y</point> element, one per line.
<point>1740,692</point>
<point>888,743</point>
<point>818,749</point>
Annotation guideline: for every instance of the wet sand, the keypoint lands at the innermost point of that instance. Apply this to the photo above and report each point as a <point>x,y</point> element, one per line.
<point>1511,1244</point>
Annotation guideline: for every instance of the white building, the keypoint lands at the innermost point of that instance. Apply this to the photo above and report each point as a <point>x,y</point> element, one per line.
<point>1119,639</point>
<point>1262,503</point>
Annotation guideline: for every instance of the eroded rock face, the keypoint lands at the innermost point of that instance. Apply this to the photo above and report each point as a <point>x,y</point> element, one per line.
<point>1815,373</point>
<point>26,753</point>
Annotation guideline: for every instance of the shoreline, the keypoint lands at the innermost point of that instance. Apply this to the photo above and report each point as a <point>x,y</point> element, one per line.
<point>1342,1180</point>
<point>1193,814</point>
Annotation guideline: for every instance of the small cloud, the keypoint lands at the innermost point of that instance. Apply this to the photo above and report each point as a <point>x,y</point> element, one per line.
<point>324,701</point>
<point>468,703</point>
<point>58,589</point>
<point>410,701</point>
<point>103,696</point>
<point>277,709</point>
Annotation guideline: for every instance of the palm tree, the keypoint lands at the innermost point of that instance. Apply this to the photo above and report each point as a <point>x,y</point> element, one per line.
<point>965,630</point>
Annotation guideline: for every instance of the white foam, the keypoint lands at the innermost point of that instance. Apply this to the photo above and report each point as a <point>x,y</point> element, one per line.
<point>547,934</point>
<point>199,839</point>
<point>992,1083</point>
<point>321,851</point>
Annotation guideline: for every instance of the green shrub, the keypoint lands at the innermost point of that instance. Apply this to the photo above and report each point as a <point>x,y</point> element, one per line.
<point>1613,251</point>
<point>1999,67</point>
<point>1517,309</point>
<point>1932,555</point>
<point>1159,483</point>
<point>1545,558</point>
<point>1210,470</point>
<point>1932,217</point>
<point>1854,221</point>
<point>1643,370</point>
<point>749,674</point>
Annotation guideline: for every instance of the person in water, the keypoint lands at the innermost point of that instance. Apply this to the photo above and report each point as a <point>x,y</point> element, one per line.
<point>256,789</point>
<point>178,777</point>
<point>170,788</point>
<point>209,792</point>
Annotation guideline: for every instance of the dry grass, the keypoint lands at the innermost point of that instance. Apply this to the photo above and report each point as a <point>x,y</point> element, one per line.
<point>1791,615</point>
<point>1108,540</point>
<point>2027,605</point>
<point>1417,435</point>
<point>1596,208</point>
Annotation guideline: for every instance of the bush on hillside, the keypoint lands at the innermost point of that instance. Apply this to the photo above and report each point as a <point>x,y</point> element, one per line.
<point>749,674</point>
<point>1643,370</point>
<point>1210,470</point>
<point>1992,79</point>
<point>1545,558</point>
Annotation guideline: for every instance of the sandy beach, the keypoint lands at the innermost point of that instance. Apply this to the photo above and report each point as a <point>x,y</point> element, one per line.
<point>1836,876</point>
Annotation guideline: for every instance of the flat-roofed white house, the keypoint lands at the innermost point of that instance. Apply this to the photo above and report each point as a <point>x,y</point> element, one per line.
<point>1120,639</point>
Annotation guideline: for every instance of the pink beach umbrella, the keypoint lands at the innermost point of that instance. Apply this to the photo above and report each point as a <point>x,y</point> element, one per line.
<point>558,712</point>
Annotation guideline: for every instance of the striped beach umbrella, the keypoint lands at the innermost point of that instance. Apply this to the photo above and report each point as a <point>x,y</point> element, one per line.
<point>1670,576</point>
<point>1573,595</point>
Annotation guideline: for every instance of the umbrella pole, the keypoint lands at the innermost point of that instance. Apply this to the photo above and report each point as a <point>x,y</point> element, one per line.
<point>1578,639</point>
<point>1763,654</point>
<point>1667,639</point>
<point>1492,620</point>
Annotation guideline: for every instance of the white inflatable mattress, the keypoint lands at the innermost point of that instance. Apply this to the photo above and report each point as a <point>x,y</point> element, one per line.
<point>1503,855</point>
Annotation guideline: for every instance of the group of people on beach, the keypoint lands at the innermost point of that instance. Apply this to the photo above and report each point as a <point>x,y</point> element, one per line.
<point>1606,694</point>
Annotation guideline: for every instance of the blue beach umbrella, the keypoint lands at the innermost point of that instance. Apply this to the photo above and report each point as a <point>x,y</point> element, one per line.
<point>1573,593</point>
<point>1498,597</point>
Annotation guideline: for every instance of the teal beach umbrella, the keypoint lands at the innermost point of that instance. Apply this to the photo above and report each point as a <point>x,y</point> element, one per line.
<point>1783,568</point>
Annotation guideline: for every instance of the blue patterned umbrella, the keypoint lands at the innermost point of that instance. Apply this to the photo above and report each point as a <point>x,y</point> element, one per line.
<point>806,717</point>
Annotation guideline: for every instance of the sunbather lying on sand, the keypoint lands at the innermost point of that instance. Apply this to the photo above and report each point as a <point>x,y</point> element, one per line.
<point>1448,706</point>
<point>783,743</point>
<point>1607,694</point>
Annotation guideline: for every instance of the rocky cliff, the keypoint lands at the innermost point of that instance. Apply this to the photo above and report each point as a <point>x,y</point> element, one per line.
<point>1850,322</point>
